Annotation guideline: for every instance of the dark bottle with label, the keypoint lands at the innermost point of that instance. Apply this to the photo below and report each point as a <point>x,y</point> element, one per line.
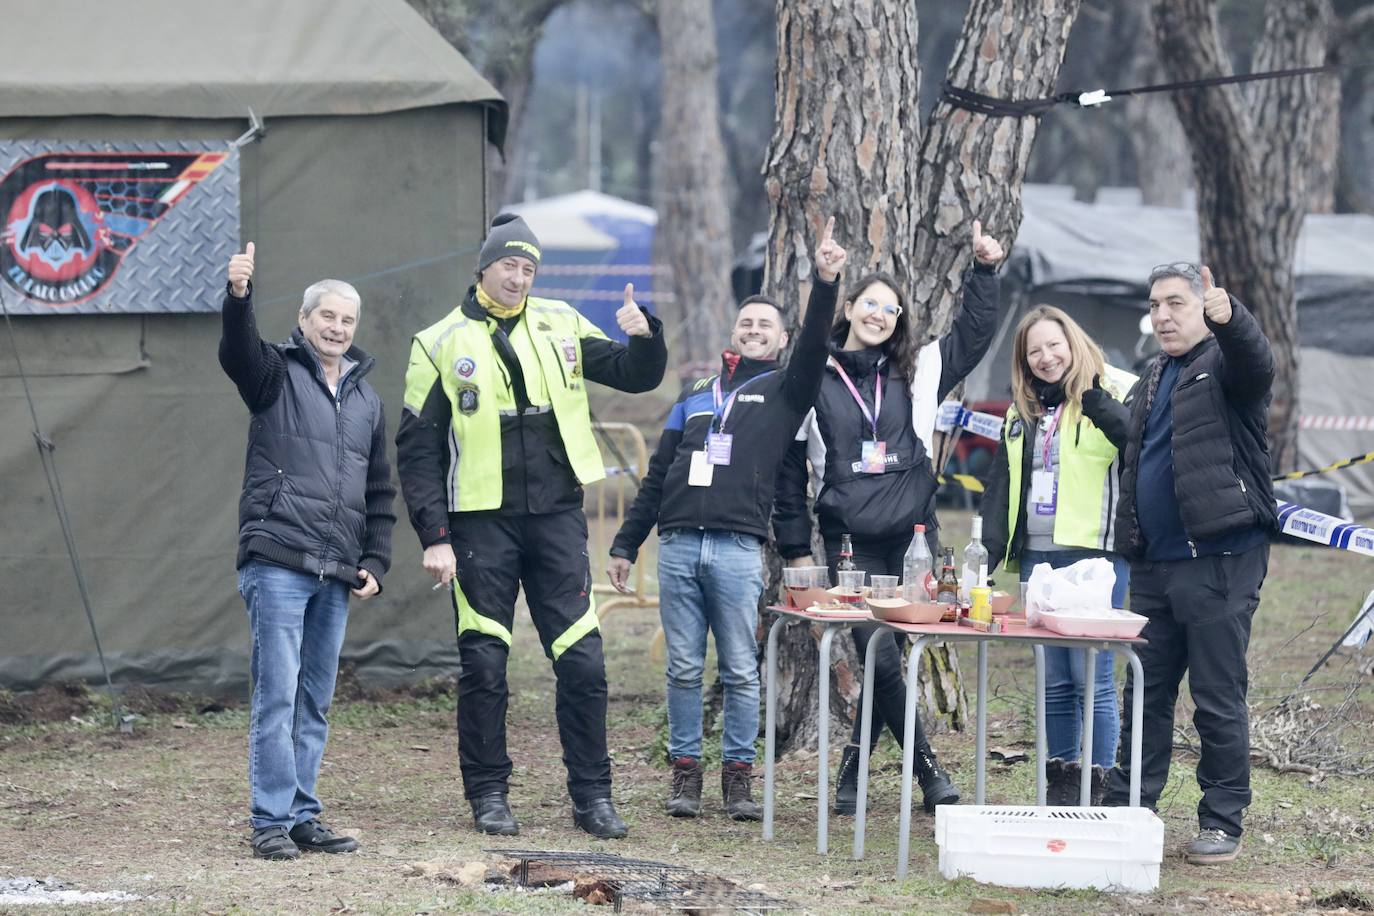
<point>846,554</point>
<point>947,592</point>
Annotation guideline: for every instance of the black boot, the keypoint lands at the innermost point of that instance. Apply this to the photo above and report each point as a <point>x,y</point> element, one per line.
<point>686,798</point>
<point>491,814</point>
<point>847,781</point>
<point>1062,779</point>
<point>936,787</point>
<point>736,792</point>
<point>599,819</point>
<point>1099,786</point>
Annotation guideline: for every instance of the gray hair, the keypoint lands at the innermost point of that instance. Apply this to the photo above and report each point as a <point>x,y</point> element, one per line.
<point>1183,270</point>
<point>317,291</point>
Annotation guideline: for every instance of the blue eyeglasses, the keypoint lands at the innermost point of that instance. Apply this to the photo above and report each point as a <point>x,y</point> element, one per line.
<point>873,305</point>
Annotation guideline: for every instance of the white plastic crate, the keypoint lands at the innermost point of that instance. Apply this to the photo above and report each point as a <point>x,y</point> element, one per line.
<point>1111,849</point>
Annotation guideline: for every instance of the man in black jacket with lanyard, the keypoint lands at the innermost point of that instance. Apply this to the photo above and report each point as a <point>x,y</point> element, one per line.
<point>1195,515</point>
<point>710,490</point>
<point>315,519</point>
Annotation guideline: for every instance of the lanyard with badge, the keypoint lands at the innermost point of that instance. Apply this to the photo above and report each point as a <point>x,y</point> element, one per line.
<point>719,443</point>
<point>873,457</point>
<point>1044,489</point>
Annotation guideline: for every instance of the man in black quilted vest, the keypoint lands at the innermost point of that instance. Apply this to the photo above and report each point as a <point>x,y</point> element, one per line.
<point>1195,515</point>
<point>315,523</point>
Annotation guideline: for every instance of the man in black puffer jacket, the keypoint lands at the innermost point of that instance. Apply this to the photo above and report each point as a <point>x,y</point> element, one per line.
<point>1195,515</point>
<point>315,521</point>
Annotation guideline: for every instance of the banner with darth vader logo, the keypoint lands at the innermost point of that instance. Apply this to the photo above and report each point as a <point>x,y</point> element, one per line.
<point>106,228</point>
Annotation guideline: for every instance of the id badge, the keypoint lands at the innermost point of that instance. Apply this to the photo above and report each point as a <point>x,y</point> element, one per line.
<point>1042,492</point>
<point>718,447</point>
<point>873,458</point>
<point>700,472</point>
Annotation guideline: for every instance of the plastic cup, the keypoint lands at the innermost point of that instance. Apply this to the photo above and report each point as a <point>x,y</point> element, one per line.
<point>796,579</point>
<point>820,576</point>
<point>851,585</point>
<point>883,586</point>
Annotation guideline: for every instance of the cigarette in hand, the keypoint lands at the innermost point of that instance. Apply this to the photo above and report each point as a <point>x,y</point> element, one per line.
<point>439,585</point>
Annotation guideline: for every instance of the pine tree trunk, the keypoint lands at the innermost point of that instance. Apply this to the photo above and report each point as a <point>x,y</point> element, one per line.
<point>844,138</point>
<point>1250,151</point>
<point>846,143</point>
<point>972,165</point>
<point>693,235</point>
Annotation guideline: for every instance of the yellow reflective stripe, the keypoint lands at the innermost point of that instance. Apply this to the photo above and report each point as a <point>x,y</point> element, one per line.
<point>584,625</point>
<point>967,481</point>
<point>469,619</point>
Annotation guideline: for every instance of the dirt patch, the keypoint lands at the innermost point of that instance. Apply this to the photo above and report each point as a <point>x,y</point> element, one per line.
<point>50,703</point>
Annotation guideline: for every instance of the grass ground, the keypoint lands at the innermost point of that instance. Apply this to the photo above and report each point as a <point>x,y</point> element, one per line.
<point>160,813</point>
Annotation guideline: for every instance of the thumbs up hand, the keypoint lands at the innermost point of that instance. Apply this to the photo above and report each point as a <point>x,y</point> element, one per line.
<point>630,318</point>
<point>241,271</point>
<point>986,249</point>
<point>830,257</point>
<point>1216,302</point>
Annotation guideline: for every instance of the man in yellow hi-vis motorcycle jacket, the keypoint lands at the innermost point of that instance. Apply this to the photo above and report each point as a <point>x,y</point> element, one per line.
<point>494,447</point>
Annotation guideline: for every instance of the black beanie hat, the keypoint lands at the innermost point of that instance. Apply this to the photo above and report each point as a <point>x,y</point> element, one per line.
<point>510,235</point>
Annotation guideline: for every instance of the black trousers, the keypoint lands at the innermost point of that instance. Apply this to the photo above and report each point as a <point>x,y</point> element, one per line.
<point>883,558</point>
<point>547,554</point>
<point>1200,612</point>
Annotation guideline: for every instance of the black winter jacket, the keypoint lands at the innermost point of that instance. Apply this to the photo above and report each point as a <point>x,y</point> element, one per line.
<point>886,505</point>
<point>536,476</point>
<point>763,421</point>
<point>317,491</point>
<point>1220,441</point>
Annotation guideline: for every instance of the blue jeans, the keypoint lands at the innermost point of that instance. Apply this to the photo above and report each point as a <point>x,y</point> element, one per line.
<point>1065,675</point>
<point>298,625</point>
<point>711,580</point>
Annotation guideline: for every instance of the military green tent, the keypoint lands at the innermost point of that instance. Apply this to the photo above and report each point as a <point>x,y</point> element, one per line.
<point>371,169</point>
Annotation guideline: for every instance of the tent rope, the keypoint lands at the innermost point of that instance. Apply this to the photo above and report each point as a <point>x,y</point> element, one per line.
<point>47,450</point>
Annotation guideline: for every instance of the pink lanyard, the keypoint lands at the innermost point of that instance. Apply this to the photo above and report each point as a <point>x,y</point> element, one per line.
<point>870,416</point>
<point>716,397</point>
<point>1047,453</point>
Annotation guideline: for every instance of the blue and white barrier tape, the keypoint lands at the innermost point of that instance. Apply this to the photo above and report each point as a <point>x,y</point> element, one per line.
<point>1320,528</point>
<point>953,414</point>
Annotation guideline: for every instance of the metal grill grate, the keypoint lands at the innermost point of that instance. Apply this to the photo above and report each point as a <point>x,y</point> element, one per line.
<point>670,887</point>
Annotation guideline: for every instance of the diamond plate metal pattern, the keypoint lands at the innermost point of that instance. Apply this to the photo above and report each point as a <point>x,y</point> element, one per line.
<point>178,266</point>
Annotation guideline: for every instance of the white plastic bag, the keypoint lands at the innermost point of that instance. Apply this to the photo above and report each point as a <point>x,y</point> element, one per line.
<point>1084,588</point>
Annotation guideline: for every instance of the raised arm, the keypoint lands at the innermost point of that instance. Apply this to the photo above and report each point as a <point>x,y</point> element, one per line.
<point>1247,369</point>
<point>806,367</point>
<point>969,338</point>
<point>255,367</point>
<point>634,367</point>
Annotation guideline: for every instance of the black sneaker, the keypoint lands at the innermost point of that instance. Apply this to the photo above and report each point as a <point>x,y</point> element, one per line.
<point>1212,846</point>
<point>274,844</point>
<point>315,836</point>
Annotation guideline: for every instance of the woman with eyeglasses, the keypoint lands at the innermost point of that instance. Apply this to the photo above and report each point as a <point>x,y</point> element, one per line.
<point>1051,498</point>
<point>868,441</point>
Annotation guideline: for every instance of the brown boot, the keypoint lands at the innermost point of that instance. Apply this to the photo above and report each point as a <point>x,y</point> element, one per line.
<point>686,798</point>
<point>737,793</point>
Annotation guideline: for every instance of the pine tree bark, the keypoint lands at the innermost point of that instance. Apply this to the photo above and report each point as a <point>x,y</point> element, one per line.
<point>693,235</point>
<point>972,165</point>
<point>845,135</point>
<point>1251,145</point>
